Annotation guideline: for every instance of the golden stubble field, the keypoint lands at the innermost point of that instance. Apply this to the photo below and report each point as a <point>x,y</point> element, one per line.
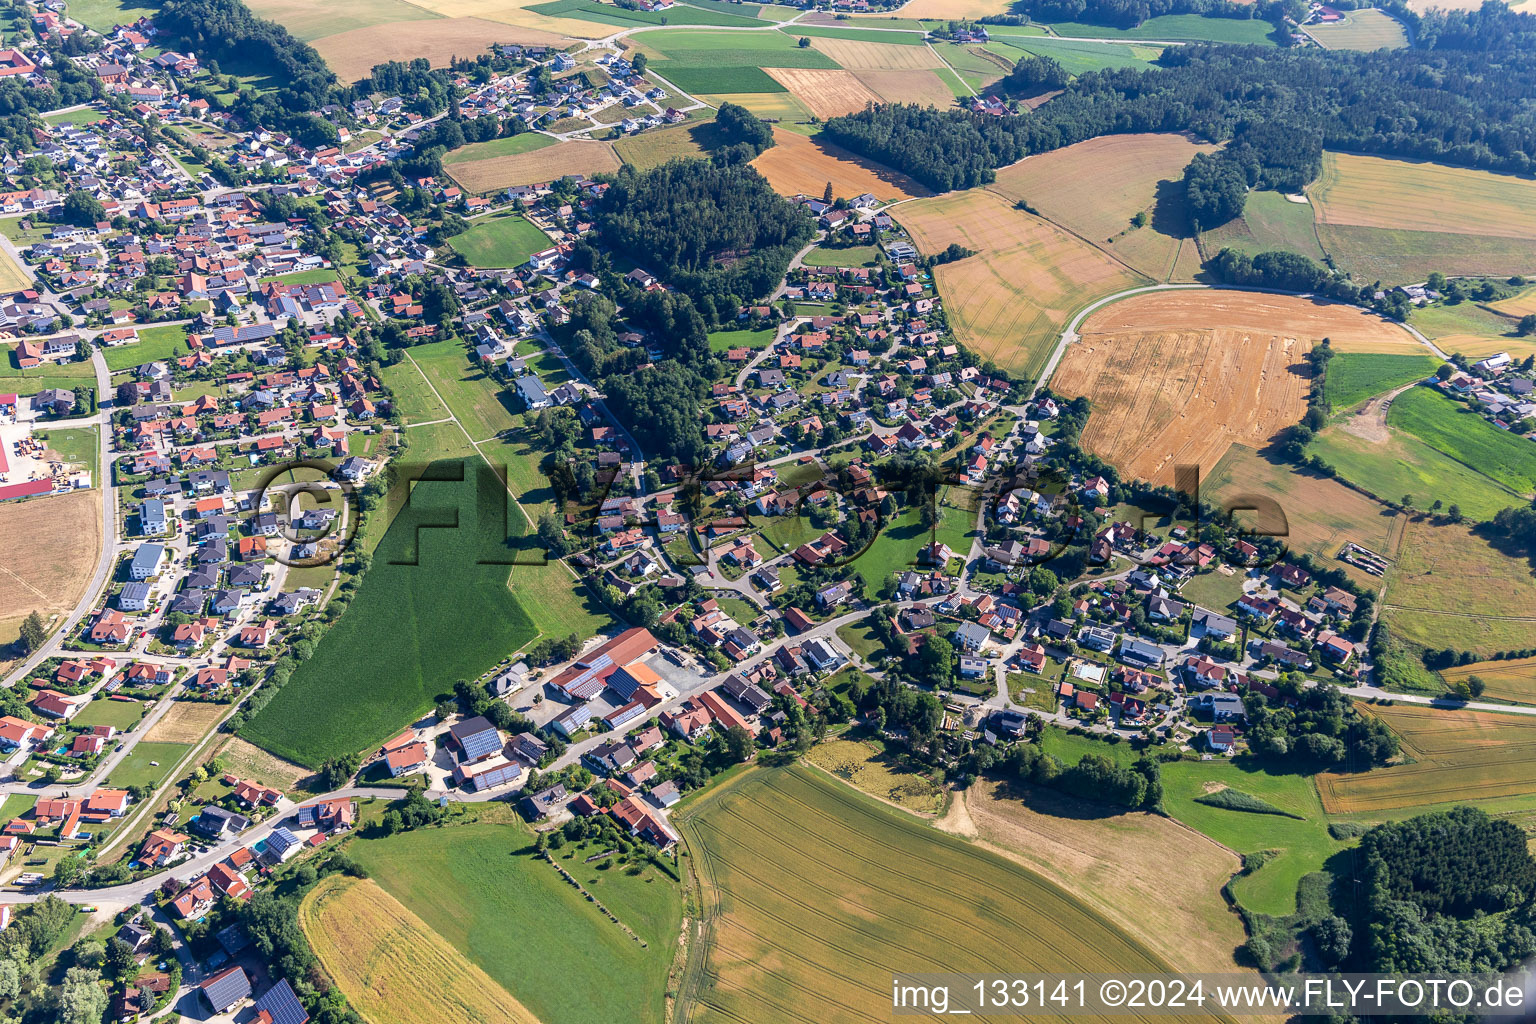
<point>1094,188</point>
<point>1175,377</point>
<point>1456,757</point>
<point>1104,857</point>
<point>571,157</point>
<point>1375,192</point>
<point>1009,302</point>
<point>952,8</point>
<point>1454,589</point>
<point>1319,513</point>
<point>391,966</point>
<point>815,894</point>
<point>353,53</point>
<point>861,55</point>
<point>1162,399</point>
<point>1348,328</point>
<point>12,276</point>
<point>516,13</point>
<point>921,87</point>
<point>827,93</point>
<point>795,164</point>
<point>50,550</point>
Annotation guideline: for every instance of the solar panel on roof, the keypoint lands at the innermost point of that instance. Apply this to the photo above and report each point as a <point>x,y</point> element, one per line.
<point>479,744</point>
<point>283,1005</point>
<point>225,990</point>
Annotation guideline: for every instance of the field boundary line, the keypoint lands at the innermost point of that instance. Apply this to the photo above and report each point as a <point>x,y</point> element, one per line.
<point>1462,615</point>
<point>41,596</point>
<point>1086,241</point>
<point>958,77</point>
<point>506,484</point>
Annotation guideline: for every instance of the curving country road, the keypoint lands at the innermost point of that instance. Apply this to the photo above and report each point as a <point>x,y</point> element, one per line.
<point>1069,333</point>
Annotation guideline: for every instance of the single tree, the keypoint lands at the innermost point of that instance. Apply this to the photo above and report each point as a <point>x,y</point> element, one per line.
<point>33,633</point>
<point>738,744</point>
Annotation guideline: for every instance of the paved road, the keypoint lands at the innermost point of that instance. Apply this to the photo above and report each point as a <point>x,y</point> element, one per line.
<point>136,892</point>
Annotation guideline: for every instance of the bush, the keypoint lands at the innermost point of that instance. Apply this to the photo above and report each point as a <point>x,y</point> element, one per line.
<point>1237,800</point>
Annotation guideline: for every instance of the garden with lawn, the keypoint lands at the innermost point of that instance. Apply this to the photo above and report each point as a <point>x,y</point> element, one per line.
<point>154,344</point>
<point>501,240</point>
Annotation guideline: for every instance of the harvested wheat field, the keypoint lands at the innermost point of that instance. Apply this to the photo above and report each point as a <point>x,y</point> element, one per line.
<point>48,574</point>
<point>1514,679</point>
<point>352,54</point>
<point>1163,399</point>
<point>1349,328</point>
<point>826,93</point>
<point>1009,302</point>
<point>391,966</point>
<point>796,165</point>
<point>186,722</point>
<point>1103,858</point>
<point>1094,188</point>
<point>859,55</point>
<point>12,275</point>
<point>1521,304</point>
<point>952,8</point>
<point>571,157</point>
<point>309,21</point>
<point>1479,346</point>
<point>1317,514</point>
<point>921,87</point>
<point>1375,192</point>
<point>515,12</point>
<point>1457,757</point>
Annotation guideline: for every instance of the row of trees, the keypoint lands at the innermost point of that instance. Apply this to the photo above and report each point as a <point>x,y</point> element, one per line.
<point>1130,13</point>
